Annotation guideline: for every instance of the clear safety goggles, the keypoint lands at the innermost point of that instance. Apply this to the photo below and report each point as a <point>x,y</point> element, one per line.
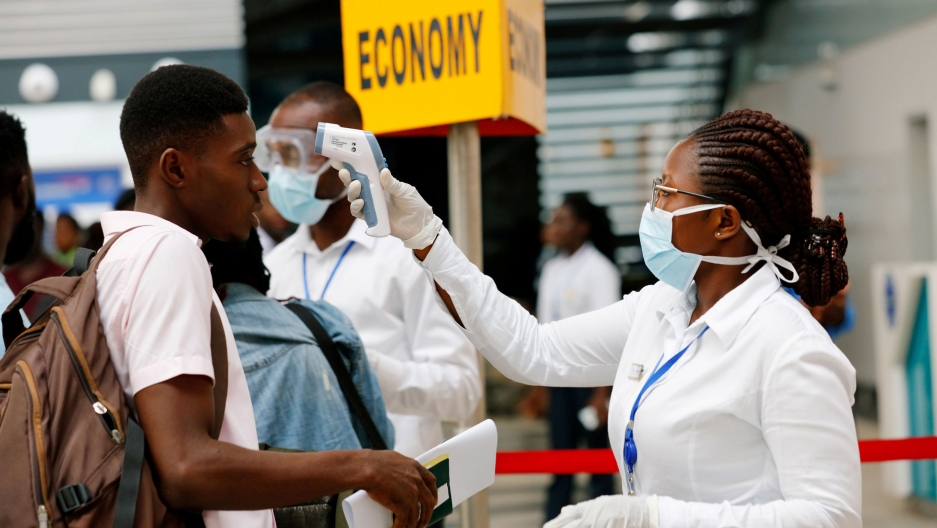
<point>289,147</point>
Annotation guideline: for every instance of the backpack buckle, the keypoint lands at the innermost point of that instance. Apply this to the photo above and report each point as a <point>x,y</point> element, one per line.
<point>72,497</point>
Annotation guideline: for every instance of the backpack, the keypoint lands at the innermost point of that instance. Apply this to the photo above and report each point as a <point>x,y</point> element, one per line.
<point>70,450</point>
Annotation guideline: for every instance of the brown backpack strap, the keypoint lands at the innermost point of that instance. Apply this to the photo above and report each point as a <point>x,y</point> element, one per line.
<point>57,287</point>
<point>219,360</point>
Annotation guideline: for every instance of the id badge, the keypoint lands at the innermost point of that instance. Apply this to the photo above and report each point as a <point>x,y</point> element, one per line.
<point>636,372</point>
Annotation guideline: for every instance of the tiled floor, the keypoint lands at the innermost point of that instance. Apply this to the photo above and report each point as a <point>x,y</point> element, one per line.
<point>517,501</point>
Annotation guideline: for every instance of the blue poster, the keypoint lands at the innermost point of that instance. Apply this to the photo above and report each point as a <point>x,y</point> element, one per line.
<point>62,188</point>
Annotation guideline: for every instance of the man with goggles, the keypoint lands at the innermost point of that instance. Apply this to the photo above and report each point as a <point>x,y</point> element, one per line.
<point>425,366</point>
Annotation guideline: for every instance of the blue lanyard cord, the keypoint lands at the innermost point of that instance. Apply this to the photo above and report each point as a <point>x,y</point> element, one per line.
<point>331,276</point>
<point>631,450</point>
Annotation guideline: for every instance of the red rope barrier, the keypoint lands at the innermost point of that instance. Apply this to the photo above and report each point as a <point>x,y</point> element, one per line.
<point>602,461</point>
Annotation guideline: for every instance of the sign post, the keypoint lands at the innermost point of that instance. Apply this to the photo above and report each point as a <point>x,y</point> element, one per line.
<point>461,68</point>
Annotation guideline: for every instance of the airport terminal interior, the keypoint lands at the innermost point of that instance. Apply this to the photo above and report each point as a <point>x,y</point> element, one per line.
<point>586,99</point>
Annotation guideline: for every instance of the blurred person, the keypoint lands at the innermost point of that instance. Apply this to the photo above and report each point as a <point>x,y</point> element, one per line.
<point>428,371</point>
<point>67,239</point>
<point>839,316</point>
<point>731,405</point>
<point>17,201</point>
<point>273,227</point>
<point>126,201</point>
<point>296,396</point>
<point>581,278</point>
<point>94,235</point>
<point>190,144</point>
<point>36,266</point>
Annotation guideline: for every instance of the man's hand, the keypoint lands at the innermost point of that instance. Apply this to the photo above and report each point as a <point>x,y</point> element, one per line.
<point>403,486</point>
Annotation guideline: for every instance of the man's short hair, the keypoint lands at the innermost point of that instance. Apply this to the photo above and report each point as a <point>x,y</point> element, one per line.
<point>14,160</point>
<point>177,106</point>
<point>340,104</point>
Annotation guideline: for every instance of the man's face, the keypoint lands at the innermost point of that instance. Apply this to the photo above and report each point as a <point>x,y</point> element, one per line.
<point>222,183</point>
<point>308,114</point>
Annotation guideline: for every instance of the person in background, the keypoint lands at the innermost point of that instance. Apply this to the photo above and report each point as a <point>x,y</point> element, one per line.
<point>17,201</point>
<point>36,266</point>
<point>126,201</point>
<point>580,279</point>
<point>839,316</point>
<point>427,369</point>
<point>94,235</point>
<point>296,396</point>
<point>67,239</point>
<point>190,144</point>
<point>273,227</point>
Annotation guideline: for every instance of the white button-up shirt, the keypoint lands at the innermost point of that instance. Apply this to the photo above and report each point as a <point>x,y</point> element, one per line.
<point>752,427</point>
<point>578,283</point>
<point>427,369</point>
<point>155,295</point>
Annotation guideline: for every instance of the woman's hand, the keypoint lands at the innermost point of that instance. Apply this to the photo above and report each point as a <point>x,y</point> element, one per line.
<point>612,511</point>
<point>411,218</point>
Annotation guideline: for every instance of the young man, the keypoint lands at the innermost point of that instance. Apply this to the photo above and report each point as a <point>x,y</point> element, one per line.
<point>427,369</point>
<point>17,200</point>
<point>190,141</point>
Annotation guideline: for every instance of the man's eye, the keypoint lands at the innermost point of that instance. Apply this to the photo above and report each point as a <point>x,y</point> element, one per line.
<point>247,162</point>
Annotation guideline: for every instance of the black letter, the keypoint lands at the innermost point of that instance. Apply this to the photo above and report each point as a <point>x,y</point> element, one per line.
<point>416,54</point>
<point>476,33</point>
<point>434,25</point>
<point>402,74</point>
<point>456,46</point>
<point>380,36</point>
<point>363,59</point>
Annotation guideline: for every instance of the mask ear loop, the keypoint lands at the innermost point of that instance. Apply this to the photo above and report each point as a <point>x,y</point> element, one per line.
<point>768,255</point>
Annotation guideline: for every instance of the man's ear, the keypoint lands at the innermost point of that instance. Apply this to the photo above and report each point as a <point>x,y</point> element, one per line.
<point>730,222</point>
<point>22,194</point>
<point>172,167</point>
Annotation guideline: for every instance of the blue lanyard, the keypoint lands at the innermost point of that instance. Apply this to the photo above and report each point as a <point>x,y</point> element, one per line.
<point>631,450</point>
<point>337,264</point>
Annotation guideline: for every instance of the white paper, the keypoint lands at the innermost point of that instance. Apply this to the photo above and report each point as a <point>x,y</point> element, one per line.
<point>471,469</point>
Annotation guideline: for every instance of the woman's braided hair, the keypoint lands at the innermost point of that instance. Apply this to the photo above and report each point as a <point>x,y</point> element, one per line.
<point>752,161</point>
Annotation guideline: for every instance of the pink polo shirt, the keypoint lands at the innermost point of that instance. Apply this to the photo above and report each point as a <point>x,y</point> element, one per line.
<point>155,295</point>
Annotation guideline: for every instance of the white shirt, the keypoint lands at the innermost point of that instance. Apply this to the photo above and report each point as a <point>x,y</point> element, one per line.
<point>751,428</point>
<point>6,297</point>
<point>155,295</point>
<point>578,283</point>
<point>427,369</point>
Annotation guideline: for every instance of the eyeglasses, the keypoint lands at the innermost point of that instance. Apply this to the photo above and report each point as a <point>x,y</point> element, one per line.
<point>656,187</point>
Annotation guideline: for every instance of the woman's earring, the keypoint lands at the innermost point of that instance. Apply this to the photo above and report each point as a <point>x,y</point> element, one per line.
<point>718,233</point>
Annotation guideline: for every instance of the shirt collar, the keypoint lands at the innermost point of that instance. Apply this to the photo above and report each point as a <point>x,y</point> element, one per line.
<point>727,318</point>
<point>356,233</point>
<point>119,221</point>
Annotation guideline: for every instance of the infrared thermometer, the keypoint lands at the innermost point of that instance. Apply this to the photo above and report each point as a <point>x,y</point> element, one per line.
<point>358,151</point>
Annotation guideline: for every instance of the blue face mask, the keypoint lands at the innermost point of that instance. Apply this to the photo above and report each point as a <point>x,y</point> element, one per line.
<point>677,268</point>
<point>293,194</point>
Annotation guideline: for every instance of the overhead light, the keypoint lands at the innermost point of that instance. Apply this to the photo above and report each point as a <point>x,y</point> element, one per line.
<point>165,61</point>
<point>38,83</point>
<point>103,86</point>
<point>637,11</point>
<point>690,9</point>
<point>655,41</point>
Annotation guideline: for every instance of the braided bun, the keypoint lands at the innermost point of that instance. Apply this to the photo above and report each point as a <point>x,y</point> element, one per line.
<point>753,161</point>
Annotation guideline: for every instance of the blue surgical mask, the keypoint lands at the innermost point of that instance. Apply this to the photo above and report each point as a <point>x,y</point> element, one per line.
<point>677,268</point>
<point>293,194</point>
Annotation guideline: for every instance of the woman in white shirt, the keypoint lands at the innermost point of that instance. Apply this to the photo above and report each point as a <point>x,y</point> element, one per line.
<point>731,406</point>
<point>579,279</point>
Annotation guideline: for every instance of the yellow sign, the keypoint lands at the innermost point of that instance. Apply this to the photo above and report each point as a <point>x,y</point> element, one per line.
<point>418,63</point>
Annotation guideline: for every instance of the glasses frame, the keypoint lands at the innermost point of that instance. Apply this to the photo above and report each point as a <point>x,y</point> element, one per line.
<point>657,186</point>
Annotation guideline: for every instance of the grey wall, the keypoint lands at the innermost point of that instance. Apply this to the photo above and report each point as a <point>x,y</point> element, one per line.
<point>860,110</point>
